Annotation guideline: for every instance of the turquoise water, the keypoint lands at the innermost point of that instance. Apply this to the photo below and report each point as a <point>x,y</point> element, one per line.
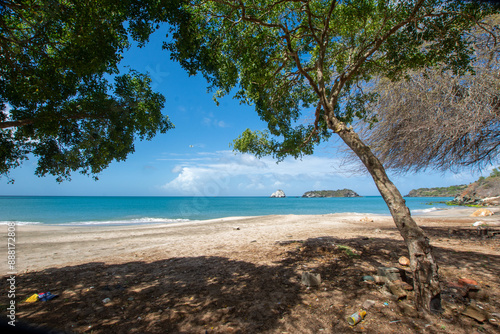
<point>151,210</point>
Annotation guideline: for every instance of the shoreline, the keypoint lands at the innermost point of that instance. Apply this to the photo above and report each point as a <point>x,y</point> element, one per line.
<point>143,211</point>
<point>40,246</point>
<point>149,221</point>
<point>450,212</point>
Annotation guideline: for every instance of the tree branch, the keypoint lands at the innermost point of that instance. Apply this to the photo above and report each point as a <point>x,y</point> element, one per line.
<point>16,124</point>
<point>374,46</point>
<point>24,122</point>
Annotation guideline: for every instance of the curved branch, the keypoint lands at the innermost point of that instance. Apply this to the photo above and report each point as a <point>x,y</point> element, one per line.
<point>16,124</point>
<point>24,122</point>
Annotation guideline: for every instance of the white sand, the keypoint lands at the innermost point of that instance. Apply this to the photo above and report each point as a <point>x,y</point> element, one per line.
<point>43,246</point>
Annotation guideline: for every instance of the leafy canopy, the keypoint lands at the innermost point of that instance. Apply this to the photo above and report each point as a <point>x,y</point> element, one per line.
<point>55,99</point>
<point>304,64</point>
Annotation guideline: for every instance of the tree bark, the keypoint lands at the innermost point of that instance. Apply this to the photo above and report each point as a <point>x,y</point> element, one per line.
<point>15,124</point>
<point>422,262</point>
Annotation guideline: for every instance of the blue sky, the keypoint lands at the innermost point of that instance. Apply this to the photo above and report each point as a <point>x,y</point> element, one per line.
<point>195,158</point>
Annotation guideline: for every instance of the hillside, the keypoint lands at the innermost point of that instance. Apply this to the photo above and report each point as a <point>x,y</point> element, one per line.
<point>331,193</point>
<point>474,193</point>
<point>451,191</point>
<point>485,187</point>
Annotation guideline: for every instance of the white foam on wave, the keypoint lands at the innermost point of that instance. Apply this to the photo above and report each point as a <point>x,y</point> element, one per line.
<point>137,221</point>
<point>4,222</point>
<point>426,210</point>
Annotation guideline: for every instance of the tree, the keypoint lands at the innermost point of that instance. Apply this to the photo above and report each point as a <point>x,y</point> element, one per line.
<point>438,119</point>
<point>288,56</point>
<point>55,100</point>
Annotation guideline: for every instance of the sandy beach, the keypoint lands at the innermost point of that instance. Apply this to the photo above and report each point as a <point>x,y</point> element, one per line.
<point>238,274</point>
<point>44,246</point>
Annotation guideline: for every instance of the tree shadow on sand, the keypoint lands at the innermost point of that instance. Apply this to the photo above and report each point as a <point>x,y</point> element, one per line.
<point>221,295</point>
<point>360,256</point>
<point>178,295</point>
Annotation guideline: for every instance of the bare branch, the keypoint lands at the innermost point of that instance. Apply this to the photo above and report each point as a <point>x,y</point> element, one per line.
<point>438,120</point>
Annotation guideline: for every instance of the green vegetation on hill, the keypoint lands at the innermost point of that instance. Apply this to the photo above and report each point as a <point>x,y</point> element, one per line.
<point>483,187</point>
<point>451,191</point>
<point>488,181</point>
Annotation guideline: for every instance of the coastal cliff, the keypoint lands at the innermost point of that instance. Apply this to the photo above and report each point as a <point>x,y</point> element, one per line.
<point>331,193</point>
<point>485,191</point>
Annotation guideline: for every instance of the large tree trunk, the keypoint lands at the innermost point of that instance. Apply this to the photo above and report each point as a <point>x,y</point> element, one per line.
<point>422,262</point>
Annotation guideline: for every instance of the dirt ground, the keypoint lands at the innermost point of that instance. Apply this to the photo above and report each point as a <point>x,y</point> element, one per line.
<point>244,276</point>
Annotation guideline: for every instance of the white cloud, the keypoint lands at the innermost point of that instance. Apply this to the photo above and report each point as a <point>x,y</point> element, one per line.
<point>211,120</point>
<point>225,173</point>
<point>222,124</point>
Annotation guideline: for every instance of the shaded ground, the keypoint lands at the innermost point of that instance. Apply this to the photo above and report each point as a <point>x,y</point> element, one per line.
<point>221,294</point>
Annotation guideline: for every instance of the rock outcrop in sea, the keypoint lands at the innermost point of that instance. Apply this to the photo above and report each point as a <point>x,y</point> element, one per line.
<point>279,194</point>
<point>331,193</point>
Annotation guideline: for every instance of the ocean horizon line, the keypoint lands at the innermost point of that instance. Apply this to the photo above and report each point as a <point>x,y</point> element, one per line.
<point>192,196</point>
<point>102,210</point>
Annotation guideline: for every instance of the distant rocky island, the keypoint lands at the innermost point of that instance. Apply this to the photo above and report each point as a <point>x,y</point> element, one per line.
<point>278,194</point>
<point>485,191</point>
<point>331,193</point>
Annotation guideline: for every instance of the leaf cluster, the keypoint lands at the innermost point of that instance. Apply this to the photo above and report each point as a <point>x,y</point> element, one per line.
<point>305,65</point>
<point>55,58</point>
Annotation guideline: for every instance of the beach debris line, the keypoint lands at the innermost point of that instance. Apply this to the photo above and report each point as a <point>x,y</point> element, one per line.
<point>44,296</point>
<point>463,289</point>
<point>469,292</point>
<point>368,278</point>
<point>356,317</point>
<point>33,298</point>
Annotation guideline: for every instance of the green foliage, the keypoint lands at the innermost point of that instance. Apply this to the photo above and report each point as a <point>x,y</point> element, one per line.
<point>303,65</point>
<point>55,100</point>
<point>452,203</point>
<point>495,173</point>
<point>349,251</point>
<point>487,182</point>
<point>450,191</point>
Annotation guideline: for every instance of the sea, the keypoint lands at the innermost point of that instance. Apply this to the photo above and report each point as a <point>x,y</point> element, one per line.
<point>93,211</point>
